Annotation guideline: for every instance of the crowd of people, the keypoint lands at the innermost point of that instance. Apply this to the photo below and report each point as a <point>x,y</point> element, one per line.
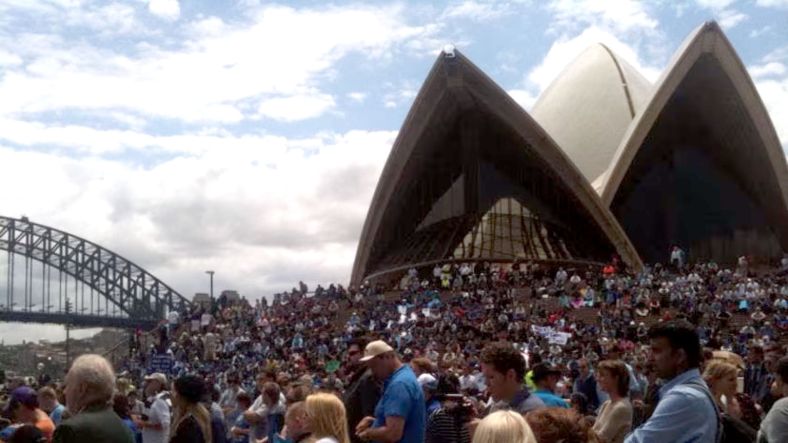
<point>462,353</point>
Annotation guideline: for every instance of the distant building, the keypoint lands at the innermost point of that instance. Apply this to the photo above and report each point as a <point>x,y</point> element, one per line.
<point>472,177</point>
<point>692,160</point>
<point>231,295</point>
<point>202,299</point>
<point>605,163</point>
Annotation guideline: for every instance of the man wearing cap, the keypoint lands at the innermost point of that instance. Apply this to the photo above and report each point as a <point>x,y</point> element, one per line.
<point>23,408</point>
<point>546,378</point>
<point>155,422</point>
<point>400,415</point>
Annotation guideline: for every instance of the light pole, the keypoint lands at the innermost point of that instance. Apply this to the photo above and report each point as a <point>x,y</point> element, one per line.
<point>68,331</point>
<point>211,274</point>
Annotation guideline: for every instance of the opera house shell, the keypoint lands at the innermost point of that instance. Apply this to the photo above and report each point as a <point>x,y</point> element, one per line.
<point>606,164</point>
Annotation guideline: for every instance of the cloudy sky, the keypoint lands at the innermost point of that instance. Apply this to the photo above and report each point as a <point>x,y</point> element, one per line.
<point>247,136</point>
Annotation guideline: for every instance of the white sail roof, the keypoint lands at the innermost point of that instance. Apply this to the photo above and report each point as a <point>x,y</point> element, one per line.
<point>589,106</point>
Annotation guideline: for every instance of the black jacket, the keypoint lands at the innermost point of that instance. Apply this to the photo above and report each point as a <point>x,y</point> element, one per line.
<point>188,431</point>
<point>360,400</point>
<point>98,424</point>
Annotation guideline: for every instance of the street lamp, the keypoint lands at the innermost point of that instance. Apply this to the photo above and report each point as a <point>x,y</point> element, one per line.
<point>211,274</point>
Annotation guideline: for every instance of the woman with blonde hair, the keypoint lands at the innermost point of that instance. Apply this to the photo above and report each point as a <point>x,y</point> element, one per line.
<point>191,421</point>
<point>327,420</point>
<point>721,378</point>
<point>503,427</point>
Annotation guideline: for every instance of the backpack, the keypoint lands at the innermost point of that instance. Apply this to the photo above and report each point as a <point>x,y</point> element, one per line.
<point>729,429</point>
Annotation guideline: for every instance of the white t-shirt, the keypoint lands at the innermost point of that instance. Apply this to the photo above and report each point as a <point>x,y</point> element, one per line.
<point>327,440</point>
<point>205,320</point>
<point>159,412</point>
<point>173,317</point>
<point>261,409</point>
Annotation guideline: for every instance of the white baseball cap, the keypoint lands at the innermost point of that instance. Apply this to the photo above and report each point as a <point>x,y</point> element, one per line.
<point>374,349</point>
<point>428,381</point>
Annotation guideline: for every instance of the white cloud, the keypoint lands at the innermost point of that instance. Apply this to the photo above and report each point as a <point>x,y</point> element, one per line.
<point>774,92</point>
<point>357,97</point>
<point>776,55</point>
<point>474,10</point>
<point>714,4</point>
<point>97,142</point>
<point>296,107</point>
<point>8,58</point>
<point>281,52</point>
<point>166,9</point>
<point>768,69</point>
<point>759,32</point>
<point>523,97</point>
<point>113,18</point>
<point>259,214</point>
<point>108,19</point>
<point>618,15</point>
<point>729,18</point>
<point>400,95</point>
<point>772,3</point>
<point>771,80</point>
<point>26,6</point>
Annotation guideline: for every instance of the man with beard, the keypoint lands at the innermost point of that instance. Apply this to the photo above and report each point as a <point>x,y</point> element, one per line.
<point>363,390</point>
<point>686,411</point>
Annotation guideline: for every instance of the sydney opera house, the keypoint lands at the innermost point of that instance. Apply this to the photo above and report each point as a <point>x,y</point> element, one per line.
<point>605,164</point>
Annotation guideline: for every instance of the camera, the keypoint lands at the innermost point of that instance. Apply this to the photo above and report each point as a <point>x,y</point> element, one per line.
<point>458,406</point>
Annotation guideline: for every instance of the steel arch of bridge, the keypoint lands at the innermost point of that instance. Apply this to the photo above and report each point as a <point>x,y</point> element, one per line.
<point>140,298</point>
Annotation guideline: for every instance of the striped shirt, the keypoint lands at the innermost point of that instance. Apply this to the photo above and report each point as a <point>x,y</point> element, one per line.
<point>445,427</point>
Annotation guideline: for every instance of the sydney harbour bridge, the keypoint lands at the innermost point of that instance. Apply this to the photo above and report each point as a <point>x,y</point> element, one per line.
<point>51,276</point>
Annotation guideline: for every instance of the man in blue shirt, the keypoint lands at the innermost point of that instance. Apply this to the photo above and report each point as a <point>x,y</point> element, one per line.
<point>685,412</point>
<point>400,415</point>
<point>546,378</point>
<point>47,399</point>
